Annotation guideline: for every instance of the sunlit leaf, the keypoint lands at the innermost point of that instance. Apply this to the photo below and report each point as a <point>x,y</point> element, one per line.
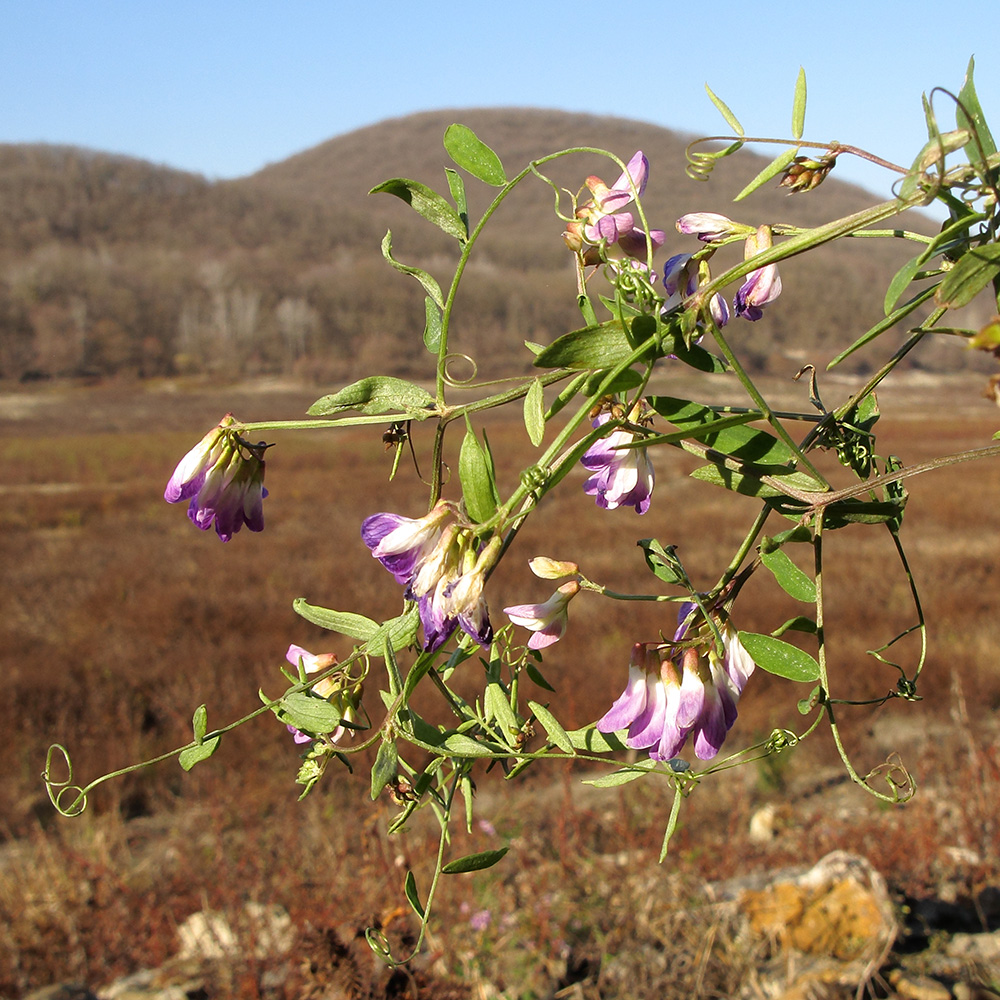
<point>775,167</point>
<point>308,712</point>
<point>475,471</point>
<point>603,346</point>
<point>410,891</point>
<point>780,658</point>
<point>792,580</point>
<point>200,723</point>
<point>974,121</point>
<point>457,187</point>
<point>190,756</point>
<point>534,413</point>
<point>430,284</point>
<point>473,155</point>
<point>425,201</point>
<point>432,325</point>
<point>799,105</point>
<point>375,395</point>
<point>973,272</point>
<point>553,728</point>
<point>344,622</point>
<point>731,120</point>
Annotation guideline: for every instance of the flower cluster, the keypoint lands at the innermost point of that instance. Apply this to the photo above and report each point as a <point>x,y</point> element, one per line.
<point>678,689</point>
<point>602,221</point>
<point>442,567</point>
<point>622,476</point>
<point>345,699</point>
<point>223,478</point>
<point>682,277</point>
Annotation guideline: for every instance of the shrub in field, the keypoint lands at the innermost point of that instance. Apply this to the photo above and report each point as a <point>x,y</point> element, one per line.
<point>592,412</point>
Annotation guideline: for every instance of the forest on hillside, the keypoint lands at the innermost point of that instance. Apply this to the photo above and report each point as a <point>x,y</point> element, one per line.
<point>112,266</point>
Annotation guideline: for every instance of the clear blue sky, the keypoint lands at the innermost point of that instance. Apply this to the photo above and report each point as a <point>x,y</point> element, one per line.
<point>223,87</point>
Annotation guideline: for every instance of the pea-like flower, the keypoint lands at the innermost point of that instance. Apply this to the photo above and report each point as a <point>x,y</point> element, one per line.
<point>548,620</point>
<point>710,227</point>
<point>602,220</point>
<point>761,286</point>
<point>345,699</point>
<point>679,690</point>
<point>623,477</point>
<point>442,567</point>
<point>682,277</point>
<point>223,478</point>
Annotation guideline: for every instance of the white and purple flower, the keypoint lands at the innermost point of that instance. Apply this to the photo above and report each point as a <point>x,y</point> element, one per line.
<point>676,691</point>
<point>223,478</point>
<point>442,567</point>
<point>761,286</point>
<point>622,477</point>
<point>548,620</point>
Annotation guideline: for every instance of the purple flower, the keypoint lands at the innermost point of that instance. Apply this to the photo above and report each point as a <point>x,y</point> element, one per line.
<point>677,691</point>
<point>709,227</point>
<point>603,221</point>
<point>548,620</point>
<point>443,569</point>
<point>681,279</point>
<point>223,478</point>
<point>623,477</point>
<point>761,286</point>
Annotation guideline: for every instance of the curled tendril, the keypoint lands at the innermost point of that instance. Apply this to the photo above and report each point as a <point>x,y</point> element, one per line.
<point>896,776</point>
<point>781,739</point>
<point>57,789</point>
<point>450,379</point>
<point>700,165</point>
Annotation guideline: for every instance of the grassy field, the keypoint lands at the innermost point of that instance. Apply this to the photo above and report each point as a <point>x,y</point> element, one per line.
<point>119,619</point>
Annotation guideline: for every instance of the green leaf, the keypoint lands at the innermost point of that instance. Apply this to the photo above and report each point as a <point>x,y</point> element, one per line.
<point>603,346</point>
<point>973,272</point>
<point>385,767</point>
<point>410,891</point>
<point>751,485</point>
<point>432,325</point>
<point>731,119</point>
<point>799,105</point>
<point>534,412</point>
<point>473,155</point>
<point>308,712</point>
<point>775,167</point>
<point>797,624</point>
<point>200,724</point>
<point>662,562</point>
<point>553,728</point>
<point>400,632</point>
<point>457,187</point>
<point>639,770</point>
<point>475,471</point>
<point>344,622</point>
<point>592,739</point>
<point>622,382</point>
<point>536,675</point>
<point>780,658</point>
<point>900,282</point>
<point>974,121</point>
<point>806,705</point>
<point>792,580</point>
<point>426,202</point>
<point>844,512</point>
<point>431,286</point>
<point>375,395</point>
<point>474,862</point>
<point>496,706</point>
<point>460,745</point>
<point>194,755</point>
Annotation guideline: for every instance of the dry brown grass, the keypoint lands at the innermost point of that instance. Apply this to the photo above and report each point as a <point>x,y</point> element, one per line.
<point>119,618</point>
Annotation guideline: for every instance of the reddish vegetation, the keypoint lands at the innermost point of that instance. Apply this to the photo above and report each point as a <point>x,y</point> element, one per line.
<point>120,618</point>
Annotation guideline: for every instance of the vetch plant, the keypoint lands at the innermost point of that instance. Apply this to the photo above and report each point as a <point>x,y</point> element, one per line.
<point>590,402</point>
